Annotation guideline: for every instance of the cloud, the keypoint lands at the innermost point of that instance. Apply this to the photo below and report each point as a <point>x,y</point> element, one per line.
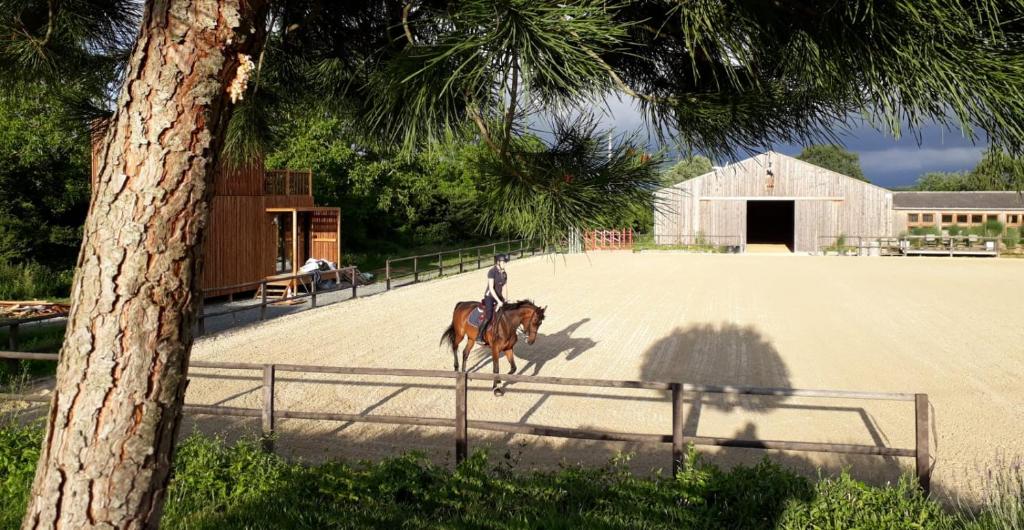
<point>919,160</point>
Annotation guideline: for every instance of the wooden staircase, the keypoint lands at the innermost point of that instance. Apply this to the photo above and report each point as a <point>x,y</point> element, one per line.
<point>276,290</point>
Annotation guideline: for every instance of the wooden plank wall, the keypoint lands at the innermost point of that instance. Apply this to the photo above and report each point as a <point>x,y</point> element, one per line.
<point>246,180</point>
<point>239,244</point>
<point>695,206</point>
<point>324,227</point>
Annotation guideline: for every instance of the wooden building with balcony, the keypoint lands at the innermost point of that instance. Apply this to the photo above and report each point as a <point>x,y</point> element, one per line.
<point>263,224</point>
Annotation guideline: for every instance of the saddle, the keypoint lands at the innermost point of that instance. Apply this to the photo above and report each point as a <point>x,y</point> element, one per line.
<point>476,316</point>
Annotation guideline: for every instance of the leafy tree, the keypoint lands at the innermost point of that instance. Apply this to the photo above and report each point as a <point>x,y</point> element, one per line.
<point>945,181</point>
<point>835,158</point>
<point>686,169</point>
<point>996,171</point>
<point>723,75</point>
<point>425,197</point>
<point>44,178</point>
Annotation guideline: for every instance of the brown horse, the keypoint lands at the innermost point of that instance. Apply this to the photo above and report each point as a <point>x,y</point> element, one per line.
<point>501,334</point>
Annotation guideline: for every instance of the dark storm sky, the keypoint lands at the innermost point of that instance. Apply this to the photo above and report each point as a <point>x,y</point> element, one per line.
<point>886,161</point>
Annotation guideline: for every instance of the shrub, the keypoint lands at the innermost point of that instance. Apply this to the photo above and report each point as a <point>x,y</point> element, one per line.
<point>29,281</point>
<point>926,230</point>
<point>221,485</point>
<point>1012,237</point>
<point>992,228</point>
<point>957,230</point>
<point>19,451</point>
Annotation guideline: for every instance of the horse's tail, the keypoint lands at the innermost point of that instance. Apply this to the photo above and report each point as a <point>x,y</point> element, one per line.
<point>449,335</point>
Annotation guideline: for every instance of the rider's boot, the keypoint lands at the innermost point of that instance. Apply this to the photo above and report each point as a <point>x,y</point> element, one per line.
<point>482,333</point>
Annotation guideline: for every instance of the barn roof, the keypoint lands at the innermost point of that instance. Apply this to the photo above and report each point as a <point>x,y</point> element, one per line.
<point>957,200</point>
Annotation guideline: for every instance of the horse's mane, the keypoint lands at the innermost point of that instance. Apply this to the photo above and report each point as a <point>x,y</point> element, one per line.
<point>520,304</point>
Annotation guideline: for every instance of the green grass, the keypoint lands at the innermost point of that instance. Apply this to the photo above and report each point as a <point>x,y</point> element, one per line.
<point>31,281</point>
<point>646,242</point>
<point>224,486</point>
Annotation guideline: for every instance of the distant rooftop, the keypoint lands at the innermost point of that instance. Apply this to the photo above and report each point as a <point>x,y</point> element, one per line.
<point>957,200</point>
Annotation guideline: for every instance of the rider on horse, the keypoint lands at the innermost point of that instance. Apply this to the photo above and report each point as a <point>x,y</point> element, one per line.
<point>493,298</point>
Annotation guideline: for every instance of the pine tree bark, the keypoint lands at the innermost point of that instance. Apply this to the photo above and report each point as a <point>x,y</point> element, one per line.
<point>121,380</point>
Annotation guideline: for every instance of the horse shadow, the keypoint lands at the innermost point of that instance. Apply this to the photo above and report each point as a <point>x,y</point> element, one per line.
<point>547,348</point>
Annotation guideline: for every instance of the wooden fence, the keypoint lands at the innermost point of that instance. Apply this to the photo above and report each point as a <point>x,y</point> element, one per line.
<point>910,245</point>
<point>461,423</point>
<point>12,326</point>
<point>311,293</point>
<point>461,258</point>
<point>618,239</point>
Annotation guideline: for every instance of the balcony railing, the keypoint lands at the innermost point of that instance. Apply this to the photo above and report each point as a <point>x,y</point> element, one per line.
<point>288,182</point>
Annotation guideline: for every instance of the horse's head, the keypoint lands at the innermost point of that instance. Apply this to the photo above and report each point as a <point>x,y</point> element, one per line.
<point>534,323</point>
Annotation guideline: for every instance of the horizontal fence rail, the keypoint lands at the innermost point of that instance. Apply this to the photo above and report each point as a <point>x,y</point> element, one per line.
<point>311,291</point>
<point>13,326</point>
<point>910,244</point>
<point>461,423</point>
<point>458,259</point>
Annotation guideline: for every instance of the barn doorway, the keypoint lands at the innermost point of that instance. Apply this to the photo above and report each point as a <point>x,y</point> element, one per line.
<point>771,223</point>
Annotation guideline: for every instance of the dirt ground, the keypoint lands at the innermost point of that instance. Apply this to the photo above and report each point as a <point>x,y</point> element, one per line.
<point>951,328</point>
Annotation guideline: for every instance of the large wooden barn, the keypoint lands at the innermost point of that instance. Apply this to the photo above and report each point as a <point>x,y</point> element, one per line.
<point>771,199</point>
<point>774,201</point>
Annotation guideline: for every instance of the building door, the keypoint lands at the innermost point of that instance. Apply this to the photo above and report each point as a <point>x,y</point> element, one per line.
<point>284,259</point>
<point>771,223</point>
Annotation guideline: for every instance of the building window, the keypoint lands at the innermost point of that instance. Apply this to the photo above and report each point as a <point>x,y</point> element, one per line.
<point>1011,219</point>
<point>947,218</point>
<point>993,217</point>
<point>912,218</point>
<point>928,218</point>
<point>961,218</point>
<point>976,218</point>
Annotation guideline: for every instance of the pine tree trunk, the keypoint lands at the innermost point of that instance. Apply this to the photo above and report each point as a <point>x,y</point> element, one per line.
<point>121,380</point>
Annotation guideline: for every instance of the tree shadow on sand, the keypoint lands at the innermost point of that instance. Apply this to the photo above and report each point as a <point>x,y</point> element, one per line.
<point>732,355</point>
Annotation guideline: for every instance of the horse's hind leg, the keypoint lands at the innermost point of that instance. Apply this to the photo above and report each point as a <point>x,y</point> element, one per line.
<point>465,356</point>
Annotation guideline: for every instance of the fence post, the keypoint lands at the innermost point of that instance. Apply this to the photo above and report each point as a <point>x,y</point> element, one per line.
<point>268,407</point>
<point>461,439</point>
<point>677,429</point>
<point>440,265</point>
<point>354,282</point>
<point>415,269</point>
<point>12,337</point>
<point>461,270</point>
<point>312,291</point>
<point>924,472</point>
<point>521,247</point>
<point>387,273</point>
<point>263,300</point>
<point>478,257</point>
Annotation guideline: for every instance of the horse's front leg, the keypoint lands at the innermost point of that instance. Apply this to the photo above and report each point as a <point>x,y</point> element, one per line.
<point>511,360</point>
<point>494,360</point>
